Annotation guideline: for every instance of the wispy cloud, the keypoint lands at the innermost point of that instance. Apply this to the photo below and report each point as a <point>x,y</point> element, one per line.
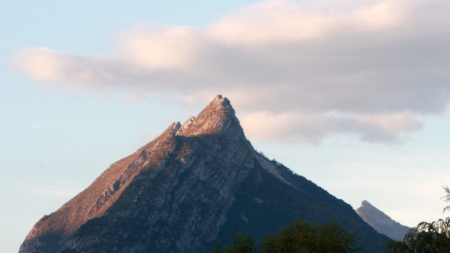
<point>376,63</point>
<point>312,128</point>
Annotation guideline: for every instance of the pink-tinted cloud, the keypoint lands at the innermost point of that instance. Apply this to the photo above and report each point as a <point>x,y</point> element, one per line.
<point>312,128</point>
<point>378,62</point>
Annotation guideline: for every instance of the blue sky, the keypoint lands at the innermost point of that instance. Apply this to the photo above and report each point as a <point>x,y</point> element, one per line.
<point>353,95</point>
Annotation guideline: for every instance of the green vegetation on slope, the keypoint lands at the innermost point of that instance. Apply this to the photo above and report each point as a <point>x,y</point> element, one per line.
<point>300,237</point>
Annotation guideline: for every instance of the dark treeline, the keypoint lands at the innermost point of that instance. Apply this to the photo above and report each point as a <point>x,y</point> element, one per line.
<point>304,237</point>
<point>298,237</point>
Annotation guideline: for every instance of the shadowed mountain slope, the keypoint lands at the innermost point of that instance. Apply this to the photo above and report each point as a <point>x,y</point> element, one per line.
<point>195,183</point>
<point>381,222</point>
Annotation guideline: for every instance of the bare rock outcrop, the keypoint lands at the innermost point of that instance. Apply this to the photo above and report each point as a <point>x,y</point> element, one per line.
<point>381,222</point>
<point>196,183</point>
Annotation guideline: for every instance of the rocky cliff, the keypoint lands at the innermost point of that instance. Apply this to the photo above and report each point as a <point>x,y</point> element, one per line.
<point>381,222</point>
<point>196,183</point>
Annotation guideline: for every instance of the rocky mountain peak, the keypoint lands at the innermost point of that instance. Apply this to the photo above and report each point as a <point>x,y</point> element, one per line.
<point>196,183</point>
<point>371,214</point>
<point>366,204</point>
<point>221,100</point>
<point>217,118</point>
<point>380,221</point>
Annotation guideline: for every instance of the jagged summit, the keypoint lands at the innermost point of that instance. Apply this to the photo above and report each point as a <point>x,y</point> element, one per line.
<point>381,222</point>
<point>196,183</point>
<point>173,150</point>
<point>366,204</point>
<point>369,213</point>
<point>217,118</point>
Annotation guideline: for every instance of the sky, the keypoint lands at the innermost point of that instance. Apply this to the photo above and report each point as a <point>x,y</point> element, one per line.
<point>351,94</point>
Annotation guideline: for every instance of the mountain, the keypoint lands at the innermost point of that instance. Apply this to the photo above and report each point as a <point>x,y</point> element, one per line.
<point>381,222</point>
<point>196,183</point>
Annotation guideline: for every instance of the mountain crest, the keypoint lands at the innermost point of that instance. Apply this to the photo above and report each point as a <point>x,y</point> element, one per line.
<point>196,183</point>
<point>216,119</point>
<point>381,222</point>
<point>372,215</point>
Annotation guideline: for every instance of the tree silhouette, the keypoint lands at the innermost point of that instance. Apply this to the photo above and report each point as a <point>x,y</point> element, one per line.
<point>426,237</point>
<point>300,237</point>
<point>241,244</point>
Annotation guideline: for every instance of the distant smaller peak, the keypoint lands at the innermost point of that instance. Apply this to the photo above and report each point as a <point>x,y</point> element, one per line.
<point>366,203</point>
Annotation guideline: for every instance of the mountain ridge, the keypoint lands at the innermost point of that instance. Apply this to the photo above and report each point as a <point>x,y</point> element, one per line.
<point>381,222</point>
<point>195,183</point>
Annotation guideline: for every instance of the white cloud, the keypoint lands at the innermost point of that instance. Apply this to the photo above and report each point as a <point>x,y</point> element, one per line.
<point>288,21</point>
<point>376,63</point>
<point>312,128</point>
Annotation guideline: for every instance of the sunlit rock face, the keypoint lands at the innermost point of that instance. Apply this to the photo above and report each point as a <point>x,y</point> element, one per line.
<point>196,183</point>
<point>381,222</point>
